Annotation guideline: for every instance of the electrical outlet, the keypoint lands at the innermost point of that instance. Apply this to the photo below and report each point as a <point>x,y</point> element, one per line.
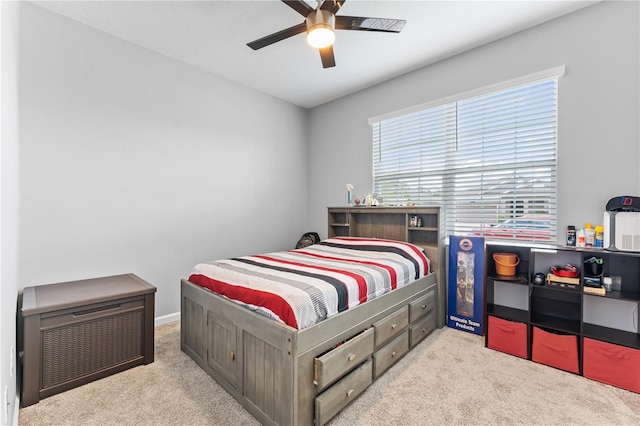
<point>6,405</point>
<point>12,356</point>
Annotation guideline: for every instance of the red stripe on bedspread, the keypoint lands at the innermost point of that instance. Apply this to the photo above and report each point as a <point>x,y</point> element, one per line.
<point>392,272</point>
<point>362,283</point>
<point>413,248</point>
<point>273,302</point>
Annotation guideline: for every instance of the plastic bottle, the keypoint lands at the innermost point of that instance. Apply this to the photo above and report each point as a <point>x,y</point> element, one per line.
<point>580,240</point>
<point>590,235</point>
<point>571,236</point>
<point>600,236</point>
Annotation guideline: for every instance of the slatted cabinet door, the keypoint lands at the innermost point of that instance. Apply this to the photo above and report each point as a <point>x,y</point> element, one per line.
<point>222,351</point>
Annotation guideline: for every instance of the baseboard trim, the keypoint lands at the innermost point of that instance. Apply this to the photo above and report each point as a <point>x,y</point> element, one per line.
<point>165,319</point>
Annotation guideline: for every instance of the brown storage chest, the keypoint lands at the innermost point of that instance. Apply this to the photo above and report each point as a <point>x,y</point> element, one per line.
<point>80,331</point>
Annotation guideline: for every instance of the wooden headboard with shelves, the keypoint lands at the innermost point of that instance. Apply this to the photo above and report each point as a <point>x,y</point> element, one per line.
<point>395,223</point>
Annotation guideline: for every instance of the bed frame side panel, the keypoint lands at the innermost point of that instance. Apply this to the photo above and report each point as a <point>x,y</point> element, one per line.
<point>251,357</point>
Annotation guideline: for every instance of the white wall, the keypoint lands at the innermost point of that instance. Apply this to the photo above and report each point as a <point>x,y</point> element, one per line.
<point>9,208</point>
<point>598,102</point>
<point>134,162</point>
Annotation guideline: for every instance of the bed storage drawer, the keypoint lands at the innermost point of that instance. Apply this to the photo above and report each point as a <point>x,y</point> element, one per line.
<point>333,364</point>
<point>422,328</point>
<point>612,364</point>
<point>507,336</point>
<point>334,399</point>
<point>390,354</point>
<point>422,306</point>
<point>391,325</point>
<point>556,350</point>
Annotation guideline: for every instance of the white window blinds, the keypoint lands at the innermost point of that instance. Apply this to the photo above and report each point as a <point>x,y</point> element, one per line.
<point>489,160</point>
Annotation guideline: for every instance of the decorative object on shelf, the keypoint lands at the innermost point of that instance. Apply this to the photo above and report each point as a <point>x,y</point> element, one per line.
<point>506,264</point>
<point>349,190</point>
<point>357,201</point>
<point>600,291</point>
<point>539,278</point>
<point>415,221</point>
<point>593,267</point>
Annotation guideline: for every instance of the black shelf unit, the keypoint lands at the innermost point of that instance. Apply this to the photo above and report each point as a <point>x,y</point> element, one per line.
<point>569,312</point>
<point>508,313</point>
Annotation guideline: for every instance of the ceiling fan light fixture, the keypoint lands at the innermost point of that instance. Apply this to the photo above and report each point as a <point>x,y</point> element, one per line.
<point>321,29</point>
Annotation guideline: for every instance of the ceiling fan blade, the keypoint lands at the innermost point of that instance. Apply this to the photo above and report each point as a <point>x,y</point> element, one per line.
<point>276,37</point>
<point>332,6</point>
<point>369,24</point>
<point>299,6</point>
<point>326,54</point>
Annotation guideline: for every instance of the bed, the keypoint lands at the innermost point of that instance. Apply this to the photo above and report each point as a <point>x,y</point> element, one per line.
<point>289,369</point>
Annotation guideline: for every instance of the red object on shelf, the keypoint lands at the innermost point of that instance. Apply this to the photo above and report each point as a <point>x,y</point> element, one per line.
<point>555,350</point>
<point>507,336</point>
<point>568,271</point>
<point>612,364</point>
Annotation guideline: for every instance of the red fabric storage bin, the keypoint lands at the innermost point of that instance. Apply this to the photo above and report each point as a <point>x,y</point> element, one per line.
<point>612,364</point>
<point>556,350</point>
<point>507,336</point>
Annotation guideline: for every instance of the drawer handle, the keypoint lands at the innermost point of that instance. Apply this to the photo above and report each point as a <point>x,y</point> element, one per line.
<point>622,356</point>
<point>555,348</point>
<point>424,306</point>
<point>233,356</point>
<point>91,311</point>
<point>349,392</point>
<point>393,326</point>
<point>506,329</point>
<point>393,354</point>
<point>424,329</point>
<point>352,357</point>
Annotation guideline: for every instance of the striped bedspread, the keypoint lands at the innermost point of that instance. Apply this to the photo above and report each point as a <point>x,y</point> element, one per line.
<point>305,286</point>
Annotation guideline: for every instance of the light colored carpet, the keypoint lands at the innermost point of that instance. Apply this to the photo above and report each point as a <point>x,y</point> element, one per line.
<point>448,379</point>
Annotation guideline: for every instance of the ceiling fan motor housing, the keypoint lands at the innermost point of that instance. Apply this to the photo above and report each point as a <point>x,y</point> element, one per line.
<point>320,20</point>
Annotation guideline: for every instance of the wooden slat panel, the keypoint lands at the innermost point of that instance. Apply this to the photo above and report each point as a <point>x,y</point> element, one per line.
<point>193,326</point>
<point>222,349</point>
<point>263,384</point>
<point>387,226</point>
<point>249,379</point>
<point>269,377</point>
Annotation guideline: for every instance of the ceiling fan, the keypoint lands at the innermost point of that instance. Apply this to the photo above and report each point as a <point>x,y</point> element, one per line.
<point>320,24</point>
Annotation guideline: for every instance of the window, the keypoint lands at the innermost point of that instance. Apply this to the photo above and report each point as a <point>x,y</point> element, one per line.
<point>488,159</point>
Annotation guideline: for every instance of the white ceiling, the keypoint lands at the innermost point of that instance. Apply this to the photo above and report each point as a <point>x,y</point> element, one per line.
<point>212,35</point>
